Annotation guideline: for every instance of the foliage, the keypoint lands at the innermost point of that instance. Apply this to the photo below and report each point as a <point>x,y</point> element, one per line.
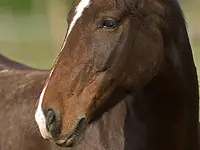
<point>16,6</point>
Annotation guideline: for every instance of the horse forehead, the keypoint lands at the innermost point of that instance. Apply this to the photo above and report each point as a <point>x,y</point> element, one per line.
<point>98,3</point>
<point>78,10</point>
<point>80,6</point>
<point>105,2</point>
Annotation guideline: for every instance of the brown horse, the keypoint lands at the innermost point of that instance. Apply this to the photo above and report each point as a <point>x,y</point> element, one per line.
<point>20,87</point>
<point>125,79</point>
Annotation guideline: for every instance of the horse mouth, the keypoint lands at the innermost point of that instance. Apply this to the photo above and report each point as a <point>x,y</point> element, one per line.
<point>71,140</point>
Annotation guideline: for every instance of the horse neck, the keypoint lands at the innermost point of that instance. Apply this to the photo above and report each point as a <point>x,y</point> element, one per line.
<point>165,112</point>
<point>163,115</point>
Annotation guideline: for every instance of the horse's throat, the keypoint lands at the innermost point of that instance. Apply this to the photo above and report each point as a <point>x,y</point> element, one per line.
<point>161,116</point>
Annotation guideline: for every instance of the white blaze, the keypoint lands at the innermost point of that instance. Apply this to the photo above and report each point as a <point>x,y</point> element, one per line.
<point>39,114</point>
<point>78,13</point>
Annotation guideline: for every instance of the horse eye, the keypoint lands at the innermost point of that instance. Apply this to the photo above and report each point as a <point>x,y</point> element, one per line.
<point>109,23</point>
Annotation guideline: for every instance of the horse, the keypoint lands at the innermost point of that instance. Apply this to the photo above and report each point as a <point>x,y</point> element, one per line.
<point>20,87</point>
<point>125,79</point>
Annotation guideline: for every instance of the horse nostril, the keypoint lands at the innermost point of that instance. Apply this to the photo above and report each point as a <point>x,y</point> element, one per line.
<point>50,118</point>
<point>52,122</point>
<point>81,124</point>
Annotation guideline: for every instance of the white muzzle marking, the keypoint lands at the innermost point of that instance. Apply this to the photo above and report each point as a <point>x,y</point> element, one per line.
<point>40,117</point>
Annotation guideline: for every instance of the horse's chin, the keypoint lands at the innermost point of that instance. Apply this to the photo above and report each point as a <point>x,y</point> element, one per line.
<point>73,139</point>
<point>66,143</point>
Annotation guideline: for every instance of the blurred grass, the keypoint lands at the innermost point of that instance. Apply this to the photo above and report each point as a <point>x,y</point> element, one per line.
<point>192,15</point>
<point>26,39</point>
<point>32,31</point>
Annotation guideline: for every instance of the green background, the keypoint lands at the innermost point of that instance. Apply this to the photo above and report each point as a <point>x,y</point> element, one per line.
<point>32,31</point>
